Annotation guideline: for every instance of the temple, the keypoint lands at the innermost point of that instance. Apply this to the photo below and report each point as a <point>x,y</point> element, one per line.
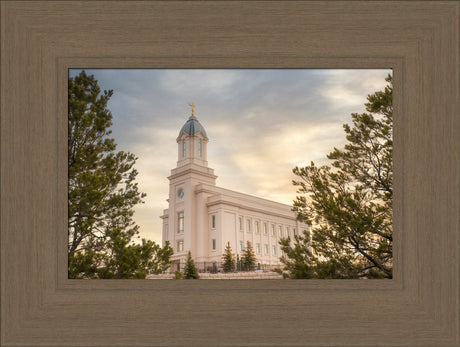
<point>202,217</point>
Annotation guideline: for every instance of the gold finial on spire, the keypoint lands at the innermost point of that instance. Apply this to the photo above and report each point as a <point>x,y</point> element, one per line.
<point>192,105</point>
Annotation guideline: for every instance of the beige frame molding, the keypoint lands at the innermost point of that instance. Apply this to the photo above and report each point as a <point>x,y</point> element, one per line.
<point>40,40</point>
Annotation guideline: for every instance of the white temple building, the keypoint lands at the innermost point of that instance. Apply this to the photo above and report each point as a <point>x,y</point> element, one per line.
<point>203,217</point>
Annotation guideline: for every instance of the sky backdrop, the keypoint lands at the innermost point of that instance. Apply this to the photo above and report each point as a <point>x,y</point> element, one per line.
<point>260,123</point>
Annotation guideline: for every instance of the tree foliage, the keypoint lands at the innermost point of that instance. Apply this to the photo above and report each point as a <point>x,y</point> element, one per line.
<point>300,261</point>
<point>248,259</point>
<point>348,204</point>
<point>102,193</point>
<point>228,259</point>
<point>190,271</point>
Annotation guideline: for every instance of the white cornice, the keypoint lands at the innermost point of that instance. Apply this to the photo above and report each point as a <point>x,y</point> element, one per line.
<point>222,201</point>
<point>250,199</point>
<point>221,196</point>
<point>190,169</point>
<point>184,135</point>
<point>200,189</point>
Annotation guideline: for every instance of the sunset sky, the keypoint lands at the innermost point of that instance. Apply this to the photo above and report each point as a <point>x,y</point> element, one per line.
<point>260,123</point>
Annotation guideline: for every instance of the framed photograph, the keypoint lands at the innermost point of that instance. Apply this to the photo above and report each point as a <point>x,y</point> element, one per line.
<point>42,40</point>
<point>220,178</point>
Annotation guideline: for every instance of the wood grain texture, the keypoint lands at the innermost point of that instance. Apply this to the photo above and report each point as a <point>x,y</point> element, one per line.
<point>40,40</point>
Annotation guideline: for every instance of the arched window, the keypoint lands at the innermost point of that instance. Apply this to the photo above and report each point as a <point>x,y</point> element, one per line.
<point>199,147</point>
<point>183,148</point>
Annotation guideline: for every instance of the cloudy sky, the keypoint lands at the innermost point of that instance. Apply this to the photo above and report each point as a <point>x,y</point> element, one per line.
<point>260,123</point>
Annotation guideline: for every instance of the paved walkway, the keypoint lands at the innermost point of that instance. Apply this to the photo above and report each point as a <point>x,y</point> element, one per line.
<point>269,275</point>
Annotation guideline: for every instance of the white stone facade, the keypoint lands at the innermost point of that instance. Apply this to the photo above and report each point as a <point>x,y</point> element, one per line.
<point>203,217</point>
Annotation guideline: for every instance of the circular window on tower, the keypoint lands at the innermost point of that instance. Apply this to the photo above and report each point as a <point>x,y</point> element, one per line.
<point>180,194</point>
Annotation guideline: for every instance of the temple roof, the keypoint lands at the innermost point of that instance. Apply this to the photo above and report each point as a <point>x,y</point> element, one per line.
<point>192,126</point>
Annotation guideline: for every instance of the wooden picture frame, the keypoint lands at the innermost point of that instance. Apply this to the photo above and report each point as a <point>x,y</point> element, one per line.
<point>42,39</point>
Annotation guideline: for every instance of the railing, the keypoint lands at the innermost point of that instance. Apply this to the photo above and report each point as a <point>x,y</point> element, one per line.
<point>215,267</point>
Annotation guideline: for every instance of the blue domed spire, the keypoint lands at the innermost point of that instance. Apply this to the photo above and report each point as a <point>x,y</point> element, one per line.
<point>192,126</point>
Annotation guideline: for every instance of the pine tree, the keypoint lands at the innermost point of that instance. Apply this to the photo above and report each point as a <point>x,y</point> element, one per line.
<point>228,259</point>
<point>349,204</point>
<point>238,263</point>
<point>102,194</point>
<point>190,271</point>
<point>248,259</point>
